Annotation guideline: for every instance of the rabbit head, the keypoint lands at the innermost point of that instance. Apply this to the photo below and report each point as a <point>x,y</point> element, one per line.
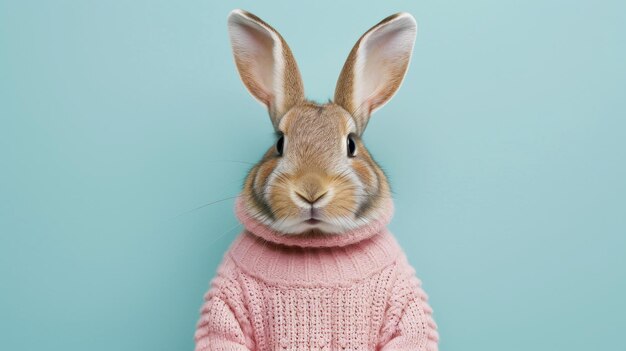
<point>318,176</point>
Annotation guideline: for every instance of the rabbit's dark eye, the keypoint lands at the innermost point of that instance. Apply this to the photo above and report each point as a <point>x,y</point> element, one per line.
<point>279,145</point>
<point>351,146</point>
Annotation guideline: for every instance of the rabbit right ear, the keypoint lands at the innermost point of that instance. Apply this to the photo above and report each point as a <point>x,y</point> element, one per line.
<point>265,64</point>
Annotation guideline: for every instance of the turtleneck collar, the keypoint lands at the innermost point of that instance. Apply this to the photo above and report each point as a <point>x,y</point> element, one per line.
<point>313,260</point>
<point>255,227</point>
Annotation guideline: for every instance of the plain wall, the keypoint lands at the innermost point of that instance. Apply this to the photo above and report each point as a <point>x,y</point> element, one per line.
<point>505,147</point>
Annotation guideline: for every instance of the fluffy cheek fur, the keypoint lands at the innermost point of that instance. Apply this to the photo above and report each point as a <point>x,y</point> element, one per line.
<point>355,192</point>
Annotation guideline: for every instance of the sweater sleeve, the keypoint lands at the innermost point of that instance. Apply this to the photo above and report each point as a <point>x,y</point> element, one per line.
<point>409,325</point>
<point>224,323</point>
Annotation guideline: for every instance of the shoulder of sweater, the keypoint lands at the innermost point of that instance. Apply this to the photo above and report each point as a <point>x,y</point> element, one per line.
<point>226,279</point>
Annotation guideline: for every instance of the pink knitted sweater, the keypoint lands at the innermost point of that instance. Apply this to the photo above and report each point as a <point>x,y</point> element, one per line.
<point>353,291</point>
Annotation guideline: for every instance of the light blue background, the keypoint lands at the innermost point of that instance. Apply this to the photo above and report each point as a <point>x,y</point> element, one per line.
<point>505,146</point>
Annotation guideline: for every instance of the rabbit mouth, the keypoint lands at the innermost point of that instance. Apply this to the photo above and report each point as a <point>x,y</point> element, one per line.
<point>313,216</point>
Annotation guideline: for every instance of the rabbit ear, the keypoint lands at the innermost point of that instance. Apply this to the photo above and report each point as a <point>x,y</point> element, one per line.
<point>265,63</point>
<point>376,67</point>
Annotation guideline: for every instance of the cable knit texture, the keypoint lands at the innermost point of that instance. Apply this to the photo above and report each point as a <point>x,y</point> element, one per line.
<point>351,291</point>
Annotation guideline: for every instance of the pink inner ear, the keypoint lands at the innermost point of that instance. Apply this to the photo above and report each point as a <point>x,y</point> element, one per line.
<point>383,57</point>
<point>253,49</point>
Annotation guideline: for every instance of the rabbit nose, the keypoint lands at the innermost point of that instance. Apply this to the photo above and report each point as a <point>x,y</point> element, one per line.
<point>311,188</point>
<point>309,198</point>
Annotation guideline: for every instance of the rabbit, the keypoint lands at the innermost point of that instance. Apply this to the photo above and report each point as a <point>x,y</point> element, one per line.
<point>315,267</point>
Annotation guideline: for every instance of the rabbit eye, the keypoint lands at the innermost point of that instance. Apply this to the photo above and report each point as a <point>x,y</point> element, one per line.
<point>279,145</point>
<point>351,146</point>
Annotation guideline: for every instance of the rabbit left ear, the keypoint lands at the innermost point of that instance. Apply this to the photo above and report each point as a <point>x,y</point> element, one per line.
<point>265,64</point>
<point>376,67</point>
